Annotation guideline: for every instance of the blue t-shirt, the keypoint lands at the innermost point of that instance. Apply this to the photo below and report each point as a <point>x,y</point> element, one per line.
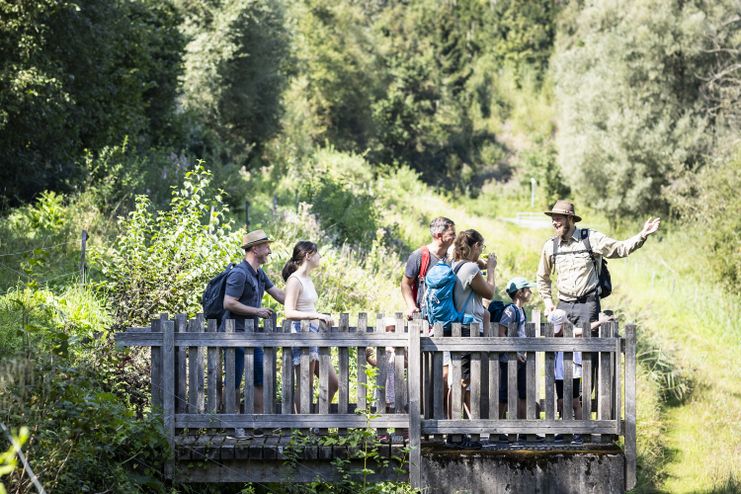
<point>249,286</point>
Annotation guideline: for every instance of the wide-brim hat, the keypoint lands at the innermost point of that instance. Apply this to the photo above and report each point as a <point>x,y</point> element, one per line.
<point>253,238</point>
<point>565,208</point>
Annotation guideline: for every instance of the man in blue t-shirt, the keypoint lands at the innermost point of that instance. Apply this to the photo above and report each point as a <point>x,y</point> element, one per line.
<point>245,287</point>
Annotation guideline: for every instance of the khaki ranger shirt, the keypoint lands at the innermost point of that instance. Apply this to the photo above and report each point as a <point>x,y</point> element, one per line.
<point>576,274</point>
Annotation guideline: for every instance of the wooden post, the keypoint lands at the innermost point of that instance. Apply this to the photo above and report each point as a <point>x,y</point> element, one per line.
<point>214,371</point>
<point>287,381</point>
<point>415,453</point>
<point>362,378</point>
<point>83,248</point>
<point>196,399</point>
<point>630,407</point>
<point>230,382</point>
<point>530,388</point>
<point>181,326</point>
<point>400,384</point>
<point>604,411</point>
<point>475,381</point>
<point>439,398</point>
<point>344,377</point>
<point>248,374</point>
<point>493,379</point>
<point>168,391</point>
<point>550,380</point>
<point>268,375</point>
<point>454,370</point>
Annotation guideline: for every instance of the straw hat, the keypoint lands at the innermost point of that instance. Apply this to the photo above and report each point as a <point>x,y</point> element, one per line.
<point>253,238</point>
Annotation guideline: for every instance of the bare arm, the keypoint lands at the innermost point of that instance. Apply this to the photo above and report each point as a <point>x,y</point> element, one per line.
<point>483,287</point>
<point>233,305</point>
<point>407,285</point>
<point>277,294</point>
<point>293,291</point>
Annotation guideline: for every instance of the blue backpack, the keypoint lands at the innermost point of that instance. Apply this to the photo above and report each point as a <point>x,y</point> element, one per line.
<point>439,303</point>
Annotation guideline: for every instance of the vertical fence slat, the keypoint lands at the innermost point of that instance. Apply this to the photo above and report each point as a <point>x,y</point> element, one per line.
<point>214,372</point>
<point>156,367</point>
<point>286,391</point>
<point>168,390</point>
<point>181,405</point>
<point>512,376</point>
<point>630,407</point>
<point>455,382</point>
<point>550,377</point>
<point>249,372</point>
<point>268,373</point>
<point>230,383</point>
<point>617,388</point>
<point>586,376</point>
<point>493,377</point>
<point>440,386</point>
<point>415,453</point>
<point>324,364</point>
<point>344,377</point>
<point>305,377</point>
<point>475,381</point>
<point>567,411</point>
<point>604,411</point>
<point>530,389</point>
<point>381,363</point>
<point>195,369</point>
<point>539,356</point>
<point>362,378</point>
<point>400,386</point>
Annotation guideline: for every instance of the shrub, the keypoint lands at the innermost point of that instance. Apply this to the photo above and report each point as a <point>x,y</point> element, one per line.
<point>162,260</point>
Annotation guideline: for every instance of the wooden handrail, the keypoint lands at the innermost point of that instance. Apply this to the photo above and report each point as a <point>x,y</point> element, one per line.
<point>195,388</point>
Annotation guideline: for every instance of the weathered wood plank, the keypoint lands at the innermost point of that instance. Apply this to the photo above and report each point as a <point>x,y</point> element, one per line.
<point>230,382</point>
<point>362,378</point>
<point>249,371</point>
<point>530,389</point>
<point>567,412</point>
<point>516,344</point>
<point>168,390</point>
<point>305,377</point>
<point>344,362</point>
<point>604,411</point>
<point>523,426</point>
<point>240,339</point>
<point>475,381</point>
<point>586,373</point>
<point>268,373</point>
<point>196,399</point>
<point>279,421</point>
<point>550,379</point>
<point>382,368</point>
<point>400,384</point>
<point>493,377</point>
<point>181,404</point>
<point>287,376</point>
<point>630,407</point>
<point>440,385</point>
<point>456,373</point>
<point>512,376</point>
<point>415,447</point>
<point>214,372</point>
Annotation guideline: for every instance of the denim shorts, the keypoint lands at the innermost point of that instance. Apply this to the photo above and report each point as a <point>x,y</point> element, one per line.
<point>296,352</point>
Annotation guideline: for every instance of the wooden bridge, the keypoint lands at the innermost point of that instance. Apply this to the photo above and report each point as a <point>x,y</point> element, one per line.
<point>193,383</point>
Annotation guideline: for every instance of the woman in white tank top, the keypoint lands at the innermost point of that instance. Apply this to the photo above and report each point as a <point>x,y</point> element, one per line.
<point>300,304</point>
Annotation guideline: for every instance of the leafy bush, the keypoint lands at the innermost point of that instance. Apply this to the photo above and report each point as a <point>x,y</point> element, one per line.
<point>84,436</point>
<point>162,260</point>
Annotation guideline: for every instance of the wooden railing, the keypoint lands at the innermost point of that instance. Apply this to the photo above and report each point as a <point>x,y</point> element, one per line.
<point>195,390</point>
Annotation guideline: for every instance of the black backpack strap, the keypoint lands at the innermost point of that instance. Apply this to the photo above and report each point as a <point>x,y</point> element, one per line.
<point>459,266</point>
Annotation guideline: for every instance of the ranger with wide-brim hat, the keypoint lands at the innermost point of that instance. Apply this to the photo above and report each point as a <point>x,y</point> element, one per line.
<point>564,208</point>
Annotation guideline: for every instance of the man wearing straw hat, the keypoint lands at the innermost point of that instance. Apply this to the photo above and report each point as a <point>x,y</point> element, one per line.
<point>577,266</point>
<point>245,287</point>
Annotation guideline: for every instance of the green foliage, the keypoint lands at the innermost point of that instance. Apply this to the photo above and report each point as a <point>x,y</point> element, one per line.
<point>711,196</point>
<point>84,437</point>
<point>162,260</point>
<point>540,163</point>
<point>77,75</point>
<point>8,460</point>
<point>235,71</point>
<point>629,81</point>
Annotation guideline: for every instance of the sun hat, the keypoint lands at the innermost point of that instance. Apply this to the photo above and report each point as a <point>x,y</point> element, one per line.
<point>565,208</point>
<point>517,283</point>
<point>253,238</point>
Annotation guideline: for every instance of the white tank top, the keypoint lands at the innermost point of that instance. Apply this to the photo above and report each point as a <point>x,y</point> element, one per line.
<point>307,298</point>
